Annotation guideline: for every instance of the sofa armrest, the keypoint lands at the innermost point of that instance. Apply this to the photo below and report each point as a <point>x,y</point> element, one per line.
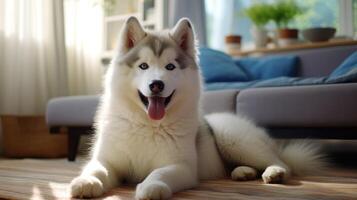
<point>219,101</point>
<point>301,106</point>
<point>77,111</point>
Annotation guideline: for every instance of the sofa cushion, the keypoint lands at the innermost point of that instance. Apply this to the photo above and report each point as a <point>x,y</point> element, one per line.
<point>217,66</point>
<point>348,77</point>
<point>302,106</point>
<point>72,111</point>
<point>269,67</point>
<point>349,64</point>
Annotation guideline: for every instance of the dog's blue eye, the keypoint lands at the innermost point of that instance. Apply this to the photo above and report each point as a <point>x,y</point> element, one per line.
<point>144,66</point>
<point>170,66</point>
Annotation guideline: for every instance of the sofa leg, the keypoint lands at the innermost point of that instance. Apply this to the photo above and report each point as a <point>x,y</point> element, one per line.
<point>73,142</point>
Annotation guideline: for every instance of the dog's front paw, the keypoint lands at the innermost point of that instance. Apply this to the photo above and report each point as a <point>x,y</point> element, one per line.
<point>153,190</point>
<point>275,174</point>
<point>86,187</point>
<point>244,173</point>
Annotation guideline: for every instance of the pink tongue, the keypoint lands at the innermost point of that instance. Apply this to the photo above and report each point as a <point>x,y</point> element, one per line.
<point>156,108</point>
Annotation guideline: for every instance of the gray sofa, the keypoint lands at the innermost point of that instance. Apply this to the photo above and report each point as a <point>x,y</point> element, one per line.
<point>316,111</point>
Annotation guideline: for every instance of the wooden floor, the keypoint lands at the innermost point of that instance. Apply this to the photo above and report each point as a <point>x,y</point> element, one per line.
<point>48,179</point>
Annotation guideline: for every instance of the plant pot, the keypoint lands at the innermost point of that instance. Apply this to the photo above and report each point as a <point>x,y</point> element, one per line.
<point>260,36</point>
<point>286,37</point>
<point>287,33</point>
<point>233,43</point>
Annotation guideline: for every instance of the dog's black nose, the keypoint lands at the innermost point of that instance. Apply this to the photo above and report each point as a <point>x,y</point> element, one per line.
<point>157,86</point>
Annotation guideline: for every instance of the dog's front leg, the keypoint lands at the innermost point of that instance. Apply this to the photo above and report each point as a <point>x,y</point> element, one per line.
<point>162,182</point>
<point>96,178</point>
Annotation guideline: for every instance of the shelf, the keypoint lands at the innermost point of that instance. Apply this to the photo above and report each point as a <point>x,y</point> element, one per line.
<point>294,47</point>
<point>149,23</point>
<point>107,57</point>
<point>150,13</point>
<point>115,18</point>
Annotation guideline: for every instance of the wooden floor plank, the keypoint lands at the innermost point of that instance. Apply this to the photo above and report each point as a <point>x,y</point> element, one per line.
<point>48,179</point>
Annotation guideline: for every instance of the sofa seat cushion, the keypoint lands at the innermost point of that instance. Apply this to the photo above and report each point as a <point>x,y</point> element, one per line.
<point>72,111</point>
<point>79,111</point>
<point>349,76</point>
<point>303,106</point>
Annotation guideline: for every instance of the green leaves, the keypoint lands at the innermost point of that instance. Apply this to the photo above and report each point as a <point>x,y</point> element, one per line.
<point>260,14</point>
<point>281,12</point>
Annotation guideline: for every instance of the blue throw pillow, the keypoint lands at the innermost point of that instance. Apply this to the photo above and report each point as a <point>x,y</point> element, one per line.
<point>217,66</point>
<point>346,66</point>
<point>269,67</point>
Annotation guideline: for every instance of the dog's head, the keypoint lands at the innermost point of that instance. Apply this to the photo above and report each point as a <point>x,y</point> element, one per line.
<point>156,70</point>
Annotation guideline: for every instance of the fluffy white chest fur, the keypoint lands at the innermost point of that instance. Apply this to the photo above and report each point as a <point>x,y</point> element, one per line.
<point>136,150</point>
<point>149,129</point>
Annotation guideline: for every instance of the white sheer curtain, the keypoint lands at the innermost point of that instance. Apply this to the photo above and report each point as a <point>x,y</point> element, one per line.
<point>42,57</point>
<point>194,10</point>
<point>32,55</point>
<point>220,15</point>
<point>83,30</point>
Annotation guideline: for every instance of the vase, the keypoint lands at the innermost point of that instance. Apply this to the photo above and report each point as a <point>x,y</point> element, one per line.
<point>260,36</point>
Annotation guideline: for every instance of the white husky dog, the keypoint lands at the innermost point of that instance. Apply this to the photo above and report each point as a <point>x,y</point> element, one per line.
<point>149,128</point>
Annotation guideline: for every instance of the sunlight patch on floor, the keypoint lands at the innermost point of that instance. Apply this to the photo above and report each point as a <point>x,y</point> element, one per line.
<point>36,193</point>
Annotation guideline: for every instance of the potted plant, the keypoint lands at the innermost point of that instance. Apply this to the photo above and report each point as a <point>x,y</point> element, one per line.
<point>260,15</point>
<point>282,13</point>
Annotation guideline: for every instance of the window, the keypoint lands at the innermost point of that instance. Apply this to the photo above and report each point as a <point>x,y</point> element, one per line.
<point>226,17</point>
<point>355,18</point>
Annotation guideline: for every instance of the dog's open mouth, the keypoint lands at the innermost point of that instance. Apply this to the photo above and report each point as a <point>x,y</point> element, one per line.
<point>155,105</point>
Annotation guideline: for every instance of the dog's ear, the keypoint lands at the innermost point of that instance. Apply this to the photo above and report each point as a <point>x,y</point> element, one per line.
<point>184,35</point>
<point>131,33</point>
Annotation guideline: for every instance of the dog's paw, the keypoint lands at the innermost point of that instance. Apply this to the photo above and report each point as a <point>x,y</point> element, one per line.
<point>153,190</point>
<point>244,173</point>
<point>275,174</point>
<point>86,187</point>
